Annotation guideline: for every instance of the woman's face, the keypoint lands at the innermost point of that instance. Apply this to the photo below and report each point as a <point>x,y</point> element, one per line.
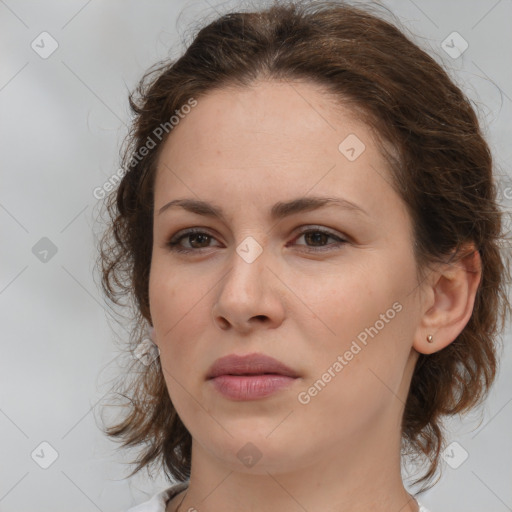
<point>340,308</point>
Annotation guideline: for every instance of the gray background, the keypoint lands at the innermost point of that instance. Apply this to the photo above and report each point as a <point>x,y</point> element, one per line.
<point>63,119</point>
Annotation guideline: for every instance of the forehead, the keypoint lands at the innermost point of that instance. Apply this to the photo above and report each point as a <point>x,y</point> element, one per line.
<point>273,138</point>
<point>278,114</point>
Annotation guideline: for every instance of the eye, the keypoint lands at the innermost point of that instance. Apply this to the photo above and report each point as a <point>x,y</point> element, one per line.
<point>194,236</point>
<point>317,237</point>
<point>201,240</point>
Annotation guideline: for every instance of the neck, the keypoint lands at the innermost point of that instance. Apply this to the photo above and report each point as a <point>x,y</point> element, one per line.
<point>358,477</point>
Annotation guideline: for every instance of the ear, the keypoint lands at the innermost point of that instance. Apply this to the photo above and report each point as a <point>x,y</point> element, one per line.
<point>448,302</point>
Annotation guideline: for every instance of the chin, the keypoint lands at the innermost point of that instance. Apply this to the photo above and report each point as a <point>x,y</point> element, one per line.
<point>255,450</point>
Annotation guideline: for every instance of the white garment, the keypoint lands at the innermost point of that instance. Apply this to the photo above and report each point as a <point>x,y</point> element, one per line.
<point>159,501</point>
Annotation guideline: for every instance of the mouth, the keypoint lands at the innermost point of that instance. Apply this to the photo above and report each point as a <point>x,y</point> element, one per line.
<point>250,374</point>
<point>247,374</point>
<point>249,365</point>
<point>250,377</point>
<point>250,387</point>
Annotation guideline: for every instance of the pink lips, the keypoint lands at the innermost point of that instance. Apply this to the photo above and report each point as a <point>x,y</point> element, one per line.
<point>249,377</point>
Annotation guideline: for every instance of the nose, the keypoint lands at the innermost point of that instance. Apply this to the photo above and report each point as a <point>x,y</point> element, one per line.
<point>250,295</point>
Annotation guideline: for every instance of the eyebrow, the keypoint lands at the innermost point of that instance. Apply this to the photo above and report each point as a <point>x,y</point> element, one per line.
<point>278,211</point>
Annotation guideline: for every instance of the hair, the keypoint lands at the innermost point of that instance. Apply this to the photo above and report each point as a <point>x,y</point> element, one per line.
<point>441,167</point>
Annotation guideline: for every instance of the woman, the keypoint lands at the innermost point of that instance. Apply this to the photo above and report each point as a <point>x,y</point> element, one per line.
<point>308,227</point>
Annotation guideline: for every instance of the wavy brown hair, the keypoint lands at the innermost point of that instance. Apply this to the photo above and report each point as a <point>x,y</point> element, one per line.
<point>441,167</point>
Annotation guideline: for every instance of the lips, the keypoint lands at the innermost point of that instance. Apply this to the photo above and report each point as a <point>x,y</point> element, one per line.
<point>251,364</point>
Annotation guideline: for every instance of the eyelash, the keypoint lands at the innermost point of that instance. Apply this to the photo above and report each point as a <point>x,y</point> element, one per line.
<point>173,243</point>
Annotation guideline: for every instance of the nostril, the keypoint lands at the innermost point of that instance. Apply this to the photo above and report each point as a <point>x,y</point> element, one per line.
<point>224,324</point>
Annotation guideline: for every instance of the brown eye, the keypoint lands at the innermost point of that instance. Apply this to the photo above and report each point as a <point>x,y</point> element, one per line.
<point>318,238</point>
<point>197,239</point>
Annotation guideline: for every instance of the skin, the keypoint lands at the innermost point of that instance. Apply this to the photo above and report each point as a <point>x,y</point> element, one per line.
<point>244,150</point>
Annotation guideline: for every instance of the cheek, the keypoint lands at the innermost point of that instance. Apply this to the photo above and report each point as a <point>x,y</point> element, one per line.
<point>346,302</point>
<point>353,383</point>
<point>171,295</point>
<point>170,301</point>
<point>180,313</point>
<point>365,316</point>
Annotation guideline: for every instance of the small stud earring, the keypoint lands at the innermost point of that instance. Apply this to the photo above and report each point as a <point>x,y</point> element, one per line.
<point>430,339</point>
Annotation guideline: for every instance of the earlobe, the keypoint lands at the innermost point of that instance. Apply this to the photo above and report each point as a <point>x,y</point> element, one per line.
<point>454,287</point>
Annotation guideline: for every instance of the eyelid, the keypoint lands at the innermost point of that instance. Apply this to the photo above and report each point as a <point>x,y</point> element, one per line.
<point>198,229</point>
<point>302,230</point>
<point>173,243</point>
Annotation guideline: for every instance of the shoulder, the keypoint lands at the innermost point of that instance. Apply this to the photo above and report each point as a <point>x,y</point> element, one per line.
<point>159,501</point>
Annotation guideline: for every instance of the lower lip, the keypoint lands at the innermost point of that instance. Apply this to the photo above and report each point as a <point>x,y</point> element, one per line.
<point>250,387</point>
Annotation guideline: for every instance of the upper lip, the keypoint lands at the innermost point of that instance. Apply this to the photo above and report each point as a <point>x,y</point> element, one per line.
<point>251,364</point>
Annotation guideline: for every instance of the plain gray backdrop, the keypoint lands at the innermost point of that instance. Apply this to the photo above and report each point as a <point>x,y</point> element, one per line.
<point>64,80</point>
